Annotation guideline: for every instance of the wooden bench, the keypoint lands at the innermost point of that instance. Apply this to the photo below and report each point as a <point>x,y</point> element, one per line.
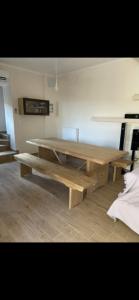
<point>75,180</point>
<point>120,164</point>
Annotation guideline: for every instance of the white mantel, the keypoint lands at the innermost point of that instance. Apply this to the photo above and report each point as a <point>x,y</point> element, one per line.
<point>114,120</point>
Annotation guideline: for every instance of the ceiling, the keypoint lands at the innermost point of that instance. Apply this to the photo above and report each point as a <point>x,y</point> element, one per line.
<point>48,65</point>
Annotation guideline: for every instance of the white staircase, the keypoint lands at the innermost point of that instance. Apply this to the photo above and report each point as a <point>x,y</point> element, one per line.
<point>6,153</point>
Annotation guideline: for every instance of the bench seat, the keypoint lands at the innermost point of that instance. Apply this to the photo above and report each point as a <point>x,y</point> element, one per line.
<point>75,180</point>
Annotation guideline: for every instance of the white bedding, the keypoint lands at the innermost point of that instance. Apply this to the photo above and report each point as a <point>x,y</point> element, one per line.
<point>126,206</point>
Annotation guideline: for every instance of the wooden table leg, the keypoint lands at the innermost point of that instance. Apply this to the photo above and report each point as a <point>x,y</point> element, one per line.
<point>47,154</point>
<point>98,172</point>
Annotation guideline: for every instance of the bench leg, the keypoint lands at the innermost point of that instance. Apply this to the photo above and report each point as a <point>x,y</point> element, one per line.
<point>114,174</point>
<point>24,170</point>
<point>117,173</point>
<point>98,172</point>
<point>75,197</point>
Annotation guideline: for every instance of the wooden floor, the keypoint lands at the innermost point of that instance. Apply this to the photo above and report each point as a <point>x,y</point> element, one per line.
<point>35,209</point>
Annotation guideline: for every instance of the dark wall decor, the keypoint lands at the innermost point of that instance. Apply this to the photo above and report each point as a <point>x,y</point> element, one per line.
<point>29,106</point>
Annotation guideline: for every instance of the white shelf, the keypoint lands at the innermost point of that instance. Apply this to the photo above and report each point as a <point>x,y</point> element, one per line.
<point>114,120</point>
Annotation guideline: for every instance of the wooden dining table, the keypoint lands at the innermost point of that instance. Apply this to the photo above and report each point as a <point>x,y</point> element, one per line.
<point>95,158</point>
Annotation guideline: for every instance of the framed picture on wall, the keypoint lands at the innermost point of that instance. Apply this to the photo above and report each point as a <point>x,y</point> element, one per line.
<point>29,106</point>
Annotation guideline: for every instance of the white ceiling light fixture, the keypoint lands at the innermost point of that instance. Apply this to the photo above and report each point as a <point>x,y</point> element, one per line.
<point>56,82</point>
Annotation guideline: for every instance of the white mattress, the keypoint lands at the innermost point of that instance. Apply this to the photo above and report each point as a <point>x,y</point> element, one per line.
<point>126,206</point>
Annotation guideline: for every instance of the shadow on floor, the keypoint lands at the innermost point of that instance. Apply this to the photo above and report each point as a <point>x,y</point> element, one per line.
<point>55,188</point>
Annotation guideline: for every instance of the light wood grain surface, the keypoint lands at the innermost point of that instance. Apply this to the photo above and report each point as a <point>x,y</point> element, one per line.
<point>75,180</point>
<point>69,177</point>
<point>93,153</point>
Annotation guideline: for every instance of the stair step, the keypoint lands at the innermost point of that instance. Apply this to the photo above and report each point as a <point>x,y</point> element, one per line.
<point>4,141</point>
<point>8,152</point>
<point>7,156</point>
<point>2,131</point>
<point>4,148</point>
<point>4,135</point>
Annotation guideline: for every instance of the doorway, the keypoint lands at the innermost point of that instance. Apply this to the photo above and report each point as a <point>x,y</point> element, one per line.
<point>2,111</point>
<point>7,122</point>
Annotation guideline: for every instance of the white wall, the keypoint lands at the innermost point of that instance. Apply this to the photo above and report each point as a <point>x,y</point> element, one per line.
<point>105,90</point>
<point>33,85</point>
<point>50,126</point>
<point>2,112</point>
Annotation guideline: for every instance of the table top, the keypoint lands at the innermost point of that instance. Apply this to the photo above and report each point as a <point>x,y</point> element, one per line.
<point>93,153</point>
